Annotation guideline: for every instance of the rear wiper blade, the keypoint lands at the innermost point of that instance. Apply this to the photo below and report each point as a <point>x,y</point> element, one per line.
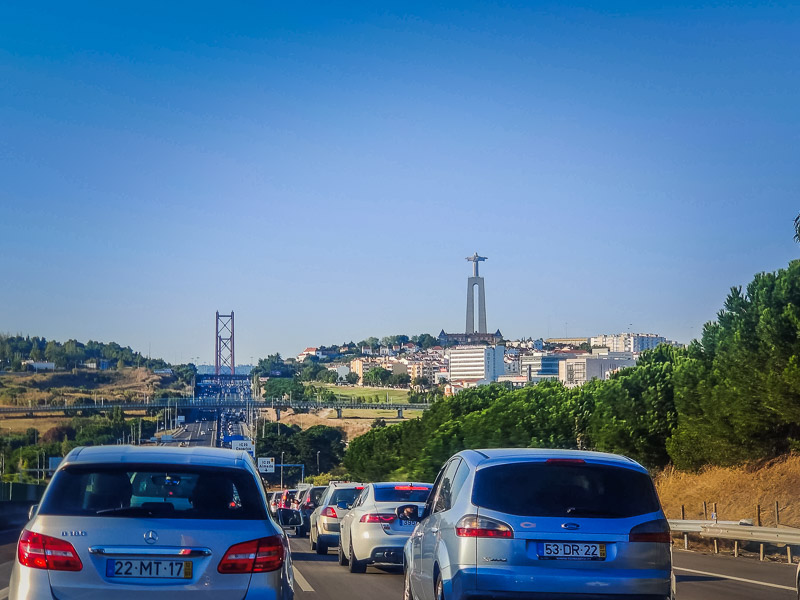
<point>127,510</point>
<point>590,512</point>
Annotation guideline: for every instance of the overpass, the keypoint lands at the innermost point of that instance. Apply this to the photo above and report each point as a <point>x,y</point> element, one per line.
<point>212,404</point>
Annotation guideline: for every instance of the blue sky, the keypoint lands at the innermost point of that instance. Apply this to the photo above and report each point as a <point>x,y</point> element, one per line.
<point>323,171</point>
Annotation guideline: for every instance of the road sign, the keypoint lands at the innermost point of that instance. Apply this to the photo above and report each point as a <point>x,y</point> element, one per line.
<point>245,445</point>
<point>180,419</point>
<point>266,464</point>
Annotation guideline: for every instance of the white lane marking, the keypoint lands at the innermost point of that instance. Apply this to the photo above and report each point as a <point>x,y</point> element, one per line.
<point>298,577</point>
<point>4,594</point>
<point>772,585</point>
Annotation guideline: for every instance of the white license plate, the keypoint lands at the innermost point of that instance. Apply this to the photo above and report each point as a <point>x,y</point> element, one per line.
<point>149,569</point>
<point>572,550</point>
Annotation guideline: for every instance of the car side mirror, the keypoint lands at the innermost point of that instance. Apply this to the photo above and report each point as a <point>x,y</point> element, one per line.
<point>408,512</point>
<point>288,518</point>
<point>32,511</point>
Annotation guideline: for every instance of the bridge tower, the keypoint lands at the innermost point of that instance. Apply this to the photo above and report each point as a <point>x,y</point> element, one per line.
<point>223,345</point>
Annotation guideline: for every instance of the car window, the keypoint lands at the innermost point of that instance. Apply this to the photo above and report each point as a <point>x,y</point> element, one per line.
<point>402,492</point>
<point>444,496</point>
<point>345,495</point>
<point>565,490</point>
<point>154,491</point>
<point>316,494</point>
<point>437,484</point>
<point>458,480</point>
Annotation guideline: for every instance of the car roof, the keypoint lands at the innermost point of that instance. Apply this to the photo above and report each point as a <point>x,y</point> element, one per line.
<point>485,457</point>
<point>193,455</point>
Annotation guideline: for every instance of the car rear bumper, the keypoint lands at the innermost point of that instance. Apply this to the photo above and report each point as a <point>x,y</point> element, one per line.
<point>508,583</point>
<point>391,555</point>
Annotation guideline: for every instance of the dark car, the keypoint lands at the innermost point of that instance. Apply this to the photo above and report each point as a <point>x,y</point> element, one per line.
<point>308,500</point>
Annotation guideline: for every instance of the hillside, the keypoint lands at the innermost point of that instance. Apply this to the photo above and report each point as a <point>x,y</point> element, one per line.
<point>81,384</point>
<point>736,490</point>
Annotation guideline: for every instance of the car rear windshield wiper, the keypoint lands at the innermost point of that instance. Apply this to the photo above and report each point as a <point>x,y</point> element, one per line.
<point>590,512</point>
<point>132,511</point>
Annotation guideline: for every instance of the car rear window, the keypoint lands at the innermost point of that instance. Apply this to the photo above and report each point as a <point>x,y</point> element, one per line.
<point>154,491</point>
<point>402,493</point>
<point>579,490</point>
<point>345,495</point>
<point>316,494</point>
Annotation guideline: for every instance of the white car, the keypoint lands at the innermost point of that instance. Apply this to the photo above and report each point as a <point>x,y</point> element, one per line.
<point>372,532</point>
<point>156,522</point>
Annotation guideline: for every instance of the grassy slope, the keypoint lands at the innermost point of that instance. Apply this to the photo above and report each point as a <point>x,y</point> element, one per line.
<point>736,491</point>
<point>346,392</point>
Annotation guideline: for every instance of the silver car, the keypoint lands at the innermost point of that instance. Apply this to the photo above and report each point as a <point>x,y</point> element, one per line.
<point>325,519</point>
<point>157,522</point>
<point>372,532</point>
<point>521,523</point>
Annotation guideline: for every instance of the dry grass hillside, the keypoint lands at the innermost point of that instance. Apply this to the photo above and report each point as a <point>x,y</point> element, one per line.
<point>354,423</point>
<point>736,490</point>
<point>73,386</point>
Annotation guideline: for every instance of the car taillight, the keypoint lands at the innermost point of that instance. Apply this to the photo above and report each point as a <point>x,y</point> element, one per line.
<point>565,461</point>
<point>329,511</point>
<point>418,488</point>
<point>378,518</point>
<point>40,551</point>
<point>483,527</point>
<point>255,556</point>
<point>652,531</point>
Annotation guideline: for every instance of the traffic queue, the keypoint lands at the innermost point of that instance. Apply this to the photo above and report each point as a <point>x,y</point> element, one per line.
<point>502,523</point>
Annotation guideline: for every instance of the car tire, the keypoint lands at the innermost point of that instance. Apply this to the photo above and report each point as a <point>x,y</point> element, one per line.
<point>408,594</point>
<point>342,558</point>
<point>356,566</point>
<point>313,543</point>
<point>322,548</point>
<point>439,589</point>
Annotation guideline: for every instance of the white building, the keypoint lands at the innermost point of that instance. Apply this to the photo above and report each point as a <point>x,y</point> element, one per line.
<point>627,342</point>
<point>479,364</point>
<point>577,371</point>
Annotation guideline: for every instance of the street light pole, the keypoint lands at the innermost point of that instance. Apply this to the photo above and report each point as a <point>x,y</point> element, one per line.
<point>317,462</point>
<point>281,470</point>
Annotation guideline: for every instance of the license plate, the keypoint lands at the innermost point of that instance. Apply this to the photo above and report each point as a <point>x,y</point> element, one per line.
<point>572,551</point>
<point>149,569</point>
<point>405,523</point>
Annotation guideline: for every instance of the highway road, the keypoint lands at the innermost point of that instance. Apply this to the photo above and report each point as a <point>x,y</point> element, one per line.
<point>700,576</point>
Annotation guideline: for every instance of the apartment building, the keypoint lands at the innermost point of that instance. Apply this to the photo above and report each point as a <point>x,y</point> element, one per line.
<point>478,364</point>
<point>573,372</point>
<point>627,342</point>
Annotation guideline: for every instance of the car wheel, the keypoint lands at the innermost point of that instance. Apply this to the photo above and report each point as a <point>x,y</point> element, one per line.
<point>439,595</point>
<point>407,593</point>
<point>322,548</point>
<point>342,558</point>
<point>313,543</point>
<point>356,566</point>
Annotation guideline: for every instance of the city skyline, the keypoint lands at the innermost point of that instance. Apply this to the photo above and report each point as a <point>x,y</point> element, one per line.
<point>323,173</point>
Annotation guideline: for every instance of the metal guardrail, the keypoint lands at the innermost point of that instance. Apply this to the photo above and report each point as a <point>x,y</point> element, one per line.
<point>695,526</point>
<point>738,531</point>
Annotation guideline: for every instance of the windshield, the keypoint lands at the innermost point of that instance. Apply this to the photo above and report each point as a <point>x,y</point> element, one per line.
<point>345,495</point>
<point>157,491</point>
<point>402,493</point>
<point>565,490</point>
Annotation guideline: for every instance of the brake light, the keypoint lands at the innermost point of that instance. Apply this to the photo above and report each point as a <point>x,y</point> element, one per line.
<point>565,461</point>
<point>652,531</point>
<point>329,511</point>
<point>255,556</point>
<point>40,551</point>
<point>482,527</point>
<point>378,518</point>
<point>411,487</point>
